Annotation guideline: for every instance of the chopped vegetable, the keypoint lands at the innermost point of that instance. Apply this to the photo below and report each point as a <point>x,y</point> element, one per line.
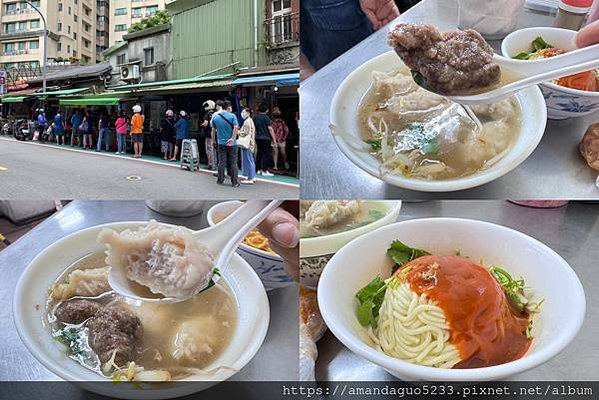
<point>539,44</point>
<point>402,254</point>
<point>376,214</point>
<point>71,337</point>
<point>371,298</point>
<point>375,144</point>
<point>513,288</point>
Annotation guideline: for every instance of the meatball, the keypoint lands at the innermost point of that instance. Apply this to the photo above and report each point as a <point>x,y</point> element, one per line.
<point>451,62</point>
<point>115,328</point>
<point>76,311</point>
<point>589,147</point>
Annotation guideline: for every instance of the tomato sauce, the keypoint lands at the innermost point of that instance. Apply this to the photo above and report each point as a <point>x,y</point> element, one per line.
<point>485,327</point>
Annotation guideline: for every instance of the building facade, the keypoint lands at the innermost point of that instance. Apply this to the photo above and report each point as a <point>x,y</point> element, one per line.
<point>125,13</point>
<point>281,31</point>
<point>78,32</point>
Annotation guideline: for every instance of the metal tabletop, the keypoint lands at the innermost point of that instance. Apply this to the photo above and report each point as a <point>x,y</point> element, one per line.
<point>554,170</point>
<point>277,359</point>
<point>572,231</point>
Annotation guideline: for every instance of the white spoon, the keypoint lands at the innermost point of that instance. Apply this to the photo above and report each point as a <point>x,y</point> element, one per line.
<point>529,73</point>
<point>221,239</point>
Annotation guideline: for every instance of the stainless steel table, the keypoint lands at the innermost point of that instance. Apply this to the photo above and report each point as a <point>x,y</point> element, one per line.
<point>554,170</point>
<point>276,360</point>
<point>572,231</point>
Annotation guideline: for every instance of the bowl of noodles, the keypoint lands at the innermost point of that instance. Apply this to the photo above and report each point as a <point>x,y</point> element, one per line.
<point>396,131</point>
<point>254,249</point>
<point>74,324</point>
<point>446,299</point>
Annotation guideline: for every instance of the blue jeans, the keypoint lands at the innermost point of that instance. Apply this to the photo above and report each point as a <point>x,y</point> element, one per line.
<point>248,165</point>
<point>121,142</point>
<point>330,28</point>
<point>104,136</point>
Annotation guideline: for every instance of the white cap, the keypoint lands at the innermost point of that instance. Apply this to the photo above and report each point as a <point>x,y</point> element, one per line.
<point>137,109</point>
<point>182,113</point>
<point>209,105</point>
<point>169,113</point>
<point>41,110</point>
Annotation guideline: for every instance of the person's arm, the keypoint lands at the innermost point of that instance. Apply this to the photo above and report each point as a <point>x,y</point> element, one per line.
<point>379,12</point>
<point>213,135</point>
<point>286,130</point>
<point>272,134</point>
<point>588,35</point>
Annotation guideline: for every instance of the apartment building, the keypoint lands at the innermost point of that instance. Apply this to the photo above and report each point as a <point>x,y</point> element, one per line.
<point>125,13</point>
<point>78,31</point>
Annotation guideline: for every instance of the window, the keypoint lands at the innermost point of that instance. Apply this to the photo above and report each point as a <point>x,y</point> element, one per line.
<point>75,53</point>
<point>23,26</point>
<point>152,10</point>
<point>120,27</point>
<point>281,5</point>
<point>281,26</point>
<point>59,46</point>
<point>34,44</point>
<point>59,27</point>
<point>10,28</point>
<point>11,8</point>
<point>22,46</point>
<point>76,18</point>
<point>136,13</point>
<point>69,10</point>
<point>86,27</point>
<point>34,64</point>
<point>69,48</point>
<point>59,7</point>
<point>121,59</point>
<point>120,11</point>
<point>101,18</point>
<point>9,47</point>
<point>75,35</point>
<point>36,3</point>
<point>86,43</point>
<point>149,56</point>
<point>35,24</point>
<point>69,29</point>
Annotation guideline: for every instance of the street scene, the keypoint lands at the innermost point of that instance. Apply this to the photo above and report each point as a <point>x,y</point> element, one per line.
<point>138,97</point>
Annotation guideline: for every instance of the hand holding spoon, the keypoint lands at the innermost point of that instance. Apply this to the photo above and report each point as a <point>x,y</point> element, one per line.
<point>221,239</point>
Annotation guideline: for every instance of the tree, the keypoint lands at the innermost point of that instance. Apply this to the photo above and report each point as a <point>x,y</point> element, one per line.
<point>160,18</point>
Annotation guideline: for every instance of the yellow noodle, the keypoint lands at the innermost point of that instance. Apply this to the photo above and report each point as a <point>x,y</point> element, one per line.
<point>413,328</point>
<point>258,241</point>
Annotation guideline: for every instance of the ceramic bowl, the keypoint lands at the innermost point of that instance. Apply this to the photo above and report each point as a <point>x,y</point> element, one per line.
<point>357,263</point>
<point>29,316</point>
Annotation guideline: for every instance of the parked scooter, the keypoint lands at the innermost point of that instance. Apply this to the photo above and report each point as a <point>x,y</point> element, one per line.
<point>23,130</point>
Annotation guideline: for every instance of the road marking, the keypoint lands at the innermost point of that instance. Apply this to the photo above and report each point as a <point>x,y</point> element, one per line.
<point>3,168</point>
<point>133,178</point>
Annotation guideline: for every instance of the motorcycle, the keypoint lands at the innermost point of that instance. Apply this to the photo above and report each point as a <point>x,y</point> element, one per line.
<point>23,130</point>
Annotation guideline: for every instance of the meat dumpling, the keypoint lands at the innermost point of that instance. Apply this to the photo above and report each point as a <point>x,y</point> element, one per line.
<point>169,261</point>
<point>324,213</point>
<point>195,339</point>
<point>82,282</point>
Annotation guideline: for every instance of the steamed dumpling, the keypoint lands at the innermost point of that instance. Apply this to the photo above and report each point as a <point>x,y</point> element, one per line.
<point>82,282</point>
<point>169,261</point>
<point>324,213</point>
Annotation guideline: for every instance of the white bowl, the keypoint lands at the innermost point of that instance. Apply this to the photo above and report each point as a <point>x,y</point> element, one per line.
<point>29,315</point>
<point>361,260</point>
<point>346,131</point>
<point>562,102</point>
<point>316,252</point>
<point>269,267</point>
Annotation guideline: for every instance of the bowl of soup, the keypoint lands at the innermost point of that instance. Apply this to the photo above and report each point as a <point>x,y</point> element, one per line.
<point>254,249</point>
<point>72,322</point>
<point>393,129</point>
<point>328,225</point>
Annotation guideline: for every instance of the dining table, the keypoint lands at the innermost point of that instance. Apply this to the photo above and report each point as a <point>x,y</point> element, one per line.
<point>571,230</point>
<point>555,170</point>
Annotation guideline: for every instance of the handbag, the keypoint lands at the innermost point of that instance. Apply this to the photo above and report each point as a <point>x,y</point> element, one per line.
<point>83,127</point>
<point>244,142</point>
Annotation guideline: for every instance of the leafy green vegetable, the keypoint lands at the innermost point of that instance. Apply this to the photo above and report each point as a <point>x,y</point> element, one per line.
<point>375,144</point>
<point>513,288</point>
<point>376,214</point>
<point>402,254</point>
<point>522,56</point>
<point>539,44</point>
<point>70,337</point>
<point>430,148</point>
<point>371,298</point>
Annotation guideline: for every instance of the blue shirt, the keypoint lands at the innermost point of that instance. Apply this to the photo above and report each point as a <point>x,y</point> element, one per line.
<point>182,127</point>
<point>41,120</point>
<point>224,129</point>
<point>58,123</point>
<point>76,120</point>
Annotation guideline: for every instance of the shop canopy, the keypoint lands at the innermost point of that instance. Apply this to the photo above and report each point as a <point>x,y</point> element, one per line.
<point>90,101</point>
<point>290,79</point>
<point>13,99</point>
<point>167,85</point>
<point>61,92</point>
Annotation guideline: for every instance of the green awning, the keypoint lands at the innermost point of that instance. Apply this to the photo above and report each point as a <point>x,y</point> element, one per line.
<point>13,99</point>
<point>61,92</point>
<point>90,101</point>
<point>164,85</point>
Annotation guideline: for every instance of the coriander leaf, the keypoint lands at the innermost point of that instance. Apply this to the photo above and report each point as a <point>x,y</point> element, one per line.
<point>375,144</point>
<point>370,290</point>
<point>364,313</point>
<point>376,214</point>
<point>371,298</point>
<point>522,56</point>
<point>539,44</point>
<point>430,148</point>
<point>402,254</point>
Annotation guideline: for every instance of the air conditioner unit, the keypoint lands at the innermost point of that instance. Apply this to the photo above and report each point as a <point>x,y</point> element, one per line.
<point>130,72</point>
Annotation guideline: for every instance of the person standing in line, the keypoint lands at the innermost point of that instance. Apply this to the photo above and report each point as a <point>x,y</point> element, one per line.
<point>88,133</point>
<point>209,107</point>
<point>281,130</point>
<point>41,125</point>
<point>121,132</point>
<point>182,133</point>
<point>104,131</point>
<point>225,128</point>
<point>59,128</point>
<point>167,134</point>
<point>248,165</point>
<point>265,139</point>
<point>137,131</point>
<point>76,120</point>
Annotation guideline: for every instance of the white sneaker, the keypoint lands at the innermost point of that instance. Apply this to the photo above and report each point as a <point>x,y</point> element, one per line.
<point>259,173</point>
<point>268,174</point>
<point>247,181</point>
<point>118,152</point>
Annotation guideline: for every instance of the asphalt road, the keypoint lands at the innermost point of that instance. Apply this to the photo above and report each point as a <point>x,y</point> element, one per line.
<point>32,171</point>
